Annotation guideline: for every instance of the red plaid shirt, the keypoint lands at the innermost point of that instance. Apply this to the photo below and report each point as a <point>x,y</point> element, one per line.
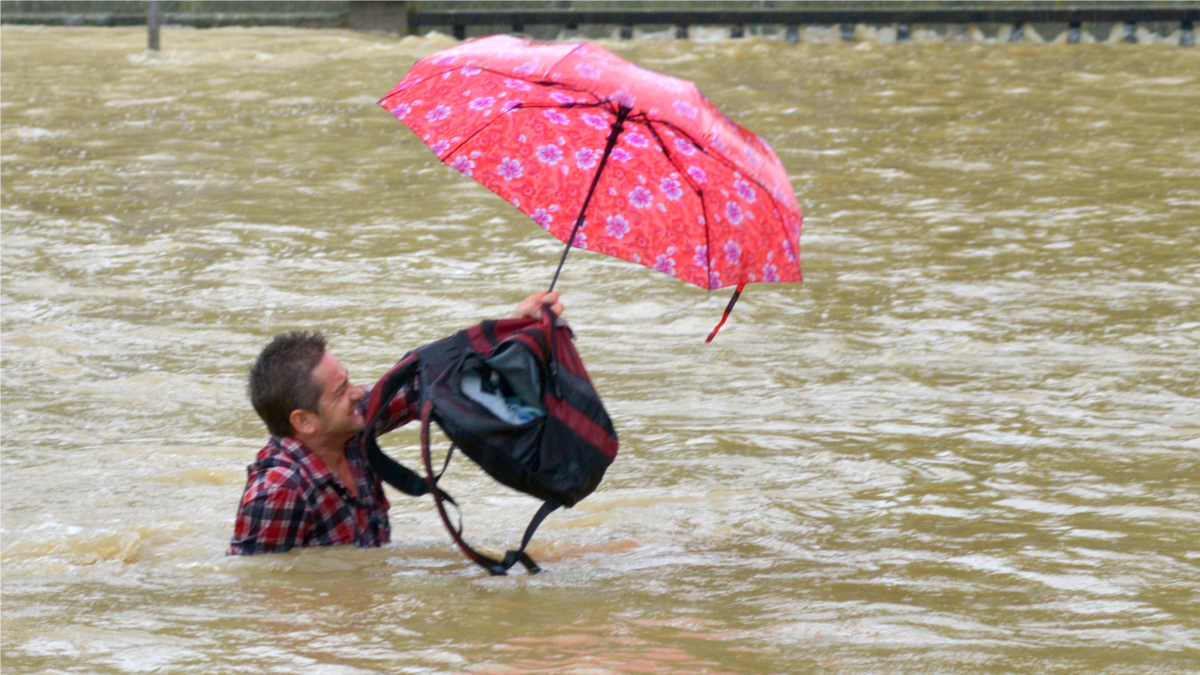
<point>293,499</point>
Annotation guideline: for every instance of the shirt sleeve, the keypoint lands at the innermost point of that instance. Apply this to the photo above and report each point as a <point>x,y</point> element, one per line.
<point>271,519</point>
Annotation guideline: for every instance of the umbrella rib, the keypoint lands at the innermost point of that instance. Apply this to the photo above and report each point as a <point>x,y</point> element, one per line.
<point>567,56</point>
<point>420,81</point>
<point>474,134</point>
<point>615,131</point>
<point>513,76</point>
<point>454,68</point>
<point>568,106</point>
<point>519,107</point>
<point>699,193</point>
<point>718,156</point>
<point>726,161</point>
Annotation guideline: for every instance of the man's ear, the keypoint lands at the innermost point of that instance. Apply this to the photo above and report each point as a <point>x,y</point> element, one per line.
<point>303,421</point>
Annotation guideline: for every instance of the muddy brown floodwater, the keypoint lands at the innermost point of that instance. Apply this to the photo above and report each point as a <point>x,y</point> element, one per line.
<point>969,442</point>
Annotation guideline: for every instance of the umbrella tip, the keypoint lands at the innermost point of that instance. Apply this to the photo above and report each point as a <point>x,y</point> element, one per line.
<point>729,308</point>
<point>713,334</point>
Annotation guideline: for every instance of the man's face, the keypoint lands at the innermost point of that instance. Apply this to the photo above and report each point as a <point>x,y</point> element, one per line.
<point>338,416</point>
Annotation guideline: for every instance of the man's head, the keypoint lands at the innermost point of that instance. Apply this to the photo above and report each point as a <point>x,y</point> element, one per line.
<point>300,389</point>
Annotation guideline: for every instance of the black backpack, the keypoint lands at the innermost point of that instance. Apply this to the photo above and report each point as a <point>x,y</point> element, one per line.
<point>514,396</point>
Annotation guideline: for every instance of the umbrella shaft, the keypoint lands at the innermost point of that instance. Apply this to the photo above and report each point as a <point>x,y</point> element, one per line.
<point>617,128</point>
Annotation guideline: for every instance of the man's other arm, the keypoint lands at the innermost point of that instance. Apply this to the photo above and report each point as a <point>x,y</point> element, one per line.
<point>273,516</point>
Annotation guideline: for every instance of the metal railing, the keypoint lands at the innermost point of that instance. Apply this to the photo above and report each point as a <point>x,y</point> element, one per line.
<point>413,17</point>
<point>792,19</point>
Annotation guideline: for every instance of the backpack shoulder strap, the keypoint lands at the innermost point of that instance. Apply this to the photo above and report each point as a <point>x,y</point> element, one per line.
<point>392,472</point>
<point>513,557</point>
<point>404,372</point>
<point>414,363</point>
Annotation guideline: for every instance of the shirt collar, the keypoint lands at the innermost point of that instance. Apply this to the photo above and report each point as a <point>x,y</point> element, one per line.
<point>306,458</point>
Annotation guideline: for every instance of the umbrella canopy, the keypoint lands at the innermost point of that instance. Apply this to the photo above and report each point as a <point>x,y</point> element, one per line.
<point>609,157</point>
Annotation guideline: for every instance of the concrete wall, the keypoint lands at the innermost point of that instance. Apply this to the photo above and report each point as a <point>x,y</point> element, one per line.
<point>385,16</point>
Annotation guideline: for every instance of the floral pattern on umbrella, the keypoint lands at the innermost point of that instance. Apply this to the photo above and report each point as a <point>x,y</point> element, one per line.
<point>684,190</point>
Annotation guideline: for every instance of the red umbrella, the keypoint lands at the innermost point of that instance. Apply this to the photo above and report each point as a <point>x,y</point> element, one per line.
<point>609,157</point>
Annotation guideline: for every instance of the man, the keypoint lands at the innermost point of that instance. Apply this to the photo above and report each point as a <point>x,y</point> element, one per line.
<point>311,484</point>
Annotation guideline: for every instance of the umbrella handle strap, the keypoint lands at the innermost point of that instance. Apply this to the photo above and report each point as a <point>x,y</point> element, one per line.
<point>728,308</point>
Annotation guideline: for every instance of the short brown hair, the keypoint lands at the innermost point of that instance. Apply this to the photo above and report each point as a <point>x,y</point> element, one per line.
<point>281,380</point>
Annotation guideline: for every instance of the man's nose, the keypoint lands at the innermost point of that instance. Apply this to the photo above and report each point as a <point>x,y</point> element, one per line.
<point>356,394</point>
